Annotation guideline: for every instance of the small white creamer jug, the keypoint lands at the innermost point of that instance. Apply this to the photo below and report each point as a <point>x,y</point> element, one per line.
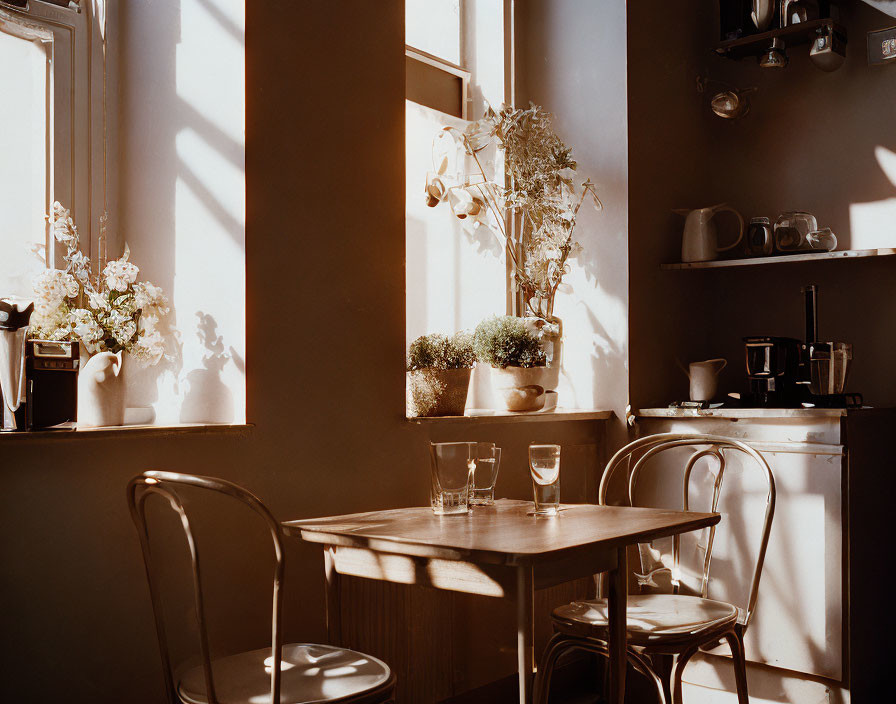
<point>704,378</point>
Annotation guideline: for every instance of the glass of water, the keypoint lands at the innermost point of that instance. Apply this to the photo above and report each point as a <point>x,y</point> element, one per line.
<point>544,464</point>
<point>453,464</point>
<point>488,461</point>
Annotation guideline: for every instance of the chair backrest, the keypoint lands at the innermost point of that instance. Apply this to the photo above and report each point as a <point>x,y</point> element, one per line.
<point>712,448</point>
<point>168,485</point>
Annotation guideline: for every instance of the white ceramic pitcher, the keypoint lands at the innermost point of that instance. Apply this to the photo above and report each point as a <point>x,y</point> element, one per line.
<point>704,378</point>
<point>101,391</point>
<point>700,240</point>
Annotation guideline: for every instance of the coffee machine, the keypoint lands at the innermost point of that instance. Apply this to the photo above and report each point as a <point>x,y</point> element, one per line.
<point>784,372</point>
<point>773,371</point>
<point>15,316</point>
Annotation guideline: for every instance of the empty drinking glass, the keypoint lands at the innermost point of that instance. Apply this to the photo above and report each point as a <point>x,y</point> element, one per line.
<point>488,461</point>
<point>544,463</point>
<point>453,464</point>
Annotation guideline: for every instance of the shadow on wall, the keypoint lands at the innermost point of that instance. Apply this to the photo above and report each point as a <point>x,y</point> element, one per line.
<point>208,399</point>
<point>182,148</point>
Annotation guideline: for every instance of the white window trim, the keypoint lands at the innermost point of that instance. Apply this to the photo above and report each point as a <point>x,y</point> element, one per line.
<point>76,136</point>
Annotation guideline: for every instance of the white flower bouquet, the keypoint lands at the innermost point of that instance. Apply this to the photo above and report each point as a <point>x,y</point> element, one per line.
<point>109,311</point>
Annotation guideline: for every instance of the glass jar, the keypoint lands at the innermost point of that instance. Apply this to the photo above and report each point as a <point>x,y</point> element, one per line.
<point>792,229</point>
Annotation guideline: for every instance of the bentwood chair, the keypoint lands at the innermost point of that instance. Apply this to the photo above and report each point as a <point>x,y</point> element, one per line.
<point>665,630</point>
<point>293,673</point>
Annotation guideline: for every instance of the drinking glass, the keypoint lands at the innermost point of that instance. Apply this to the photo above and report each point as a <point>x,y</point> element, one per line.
<point>453,464</point>
<point>488,461</point>
<point>544,464</point>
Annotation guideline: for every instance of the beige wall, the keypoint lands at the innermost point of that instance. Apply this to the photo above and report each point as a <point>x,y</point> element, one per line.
<point>667,45</point>
<point>812,141</point>
<point>820,142</point>
<point>571,60</point>
<point>324,243</point>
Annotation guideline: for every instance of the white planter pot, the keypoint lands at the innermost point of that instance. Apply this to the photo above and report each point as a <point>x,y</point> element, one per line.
<point>523,388</point>
<point>101,391</point>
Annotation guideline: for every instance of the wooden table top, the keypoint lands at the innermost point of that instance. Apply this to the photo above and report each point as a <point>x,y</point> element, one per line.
<point>506,532</point>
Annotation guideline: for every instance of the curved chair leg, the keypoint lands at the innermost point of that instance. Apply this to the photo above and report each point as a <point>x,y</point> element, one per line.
<point>680,662</point>
<point>663,665</point>
<point>739,660</point>
<point>560,642</point>
<point>643,665</point>
<point>556,645</point>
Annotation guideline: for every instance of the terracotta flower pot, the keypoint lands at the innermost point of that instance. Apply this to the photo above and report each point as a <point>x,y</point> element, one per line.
<point>437,392</point>
<point>523,388</point>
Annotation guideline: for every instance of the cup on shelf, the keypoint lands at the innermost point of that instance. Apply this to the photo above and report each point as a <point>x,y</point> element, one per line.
<point>485,476</point>
<point>544,465</point>
<point>452,467</point>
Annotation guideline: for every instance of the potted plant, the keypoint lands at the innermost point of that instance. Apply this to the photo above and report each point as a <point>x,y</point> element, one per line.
<point>438,374</point>
<point>512,347</point>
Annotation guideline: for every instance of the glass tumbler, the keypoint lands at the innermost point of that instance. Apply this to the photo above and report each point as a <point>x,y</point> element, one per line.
<point>453,464</point>
<point>488,461</point>
<point>544,464</point>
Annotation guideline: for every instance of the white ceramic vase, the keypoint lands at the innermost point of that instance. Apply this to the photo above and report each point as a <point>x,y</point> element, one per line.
<point>101,392</point>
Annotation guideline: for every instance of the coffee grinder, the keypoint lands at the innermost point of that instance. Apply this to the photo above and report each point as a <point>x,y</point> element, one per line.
<point>15,316</point>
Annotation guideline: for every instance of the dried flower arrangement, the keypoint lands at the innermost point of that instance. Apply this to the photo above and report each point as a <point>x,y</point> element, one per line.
<point>542,190</point>
<point>107,311</point>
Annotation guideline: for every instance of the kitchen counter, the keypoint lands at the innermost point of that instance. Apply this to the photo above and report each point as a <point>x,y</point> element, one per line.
<point>736,413</point>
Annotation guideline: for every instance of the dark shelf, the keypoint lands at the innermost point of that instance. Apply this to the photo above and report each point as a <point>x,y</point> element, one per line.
<point>754,44</point>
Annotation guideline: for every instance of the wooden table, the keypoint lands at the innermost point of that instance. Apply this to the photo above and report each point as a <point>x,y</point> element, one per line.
<point>500,551</point>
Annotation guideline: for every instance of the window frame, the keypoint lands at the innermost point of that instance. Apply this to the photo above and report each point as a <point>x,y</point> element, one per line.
<point>76,126</point>
<point>442,65</point>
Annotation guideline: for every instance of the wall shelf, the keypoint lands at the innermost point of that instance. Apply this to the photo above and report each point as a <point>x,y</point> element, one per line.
<point>783,259</point>
<point>755,44</point>
<point>477,415</point>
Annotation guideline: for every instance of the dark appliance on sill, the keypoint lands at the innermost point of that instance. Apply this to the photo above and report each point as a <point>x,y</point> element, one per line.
<point>52,382</point>
<point>15,317</point>
<point>784,372</point>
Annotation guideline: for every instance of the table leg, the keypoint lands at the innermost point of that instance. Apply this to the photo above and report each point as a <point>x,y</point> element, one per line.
<point>617,601</point>
<point>525,630</point>
<point>334,617</point>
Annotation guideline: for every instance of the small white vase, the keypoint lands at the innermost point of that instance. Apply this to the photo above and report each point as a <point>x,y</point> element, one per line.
<point>101,390</point>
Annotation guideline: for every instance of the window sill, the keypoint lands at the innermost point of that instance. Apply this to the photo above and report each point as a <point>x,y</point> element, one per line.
<point>70,431</point>
<point>476,415</point>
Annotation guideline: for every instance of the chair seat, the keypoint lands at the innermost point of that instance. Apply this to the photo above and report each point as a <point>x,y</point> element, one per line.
<point>310,673</point>
<point>651,619</point>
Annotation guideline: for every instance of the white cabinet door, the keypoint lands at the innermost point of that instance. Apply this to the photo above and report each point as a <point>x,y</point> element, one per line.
<point>798,622</point>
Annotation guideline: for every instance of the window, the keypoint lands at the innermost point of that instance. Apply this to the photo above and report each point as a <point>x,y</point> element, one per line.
<point>50,133</point>
<point>456,60</point>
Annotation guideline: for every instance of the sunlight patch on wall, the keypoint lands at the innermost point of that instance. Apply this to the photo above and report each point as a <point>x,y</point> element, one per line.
<point>188,141</point>
<point>455,276</point>
<point>873,225</point>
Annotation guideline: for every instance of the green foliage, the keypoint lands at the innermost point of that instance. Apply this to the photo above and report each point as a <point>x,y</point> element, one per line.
<point>441,352</point>
<point>507,341</point>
